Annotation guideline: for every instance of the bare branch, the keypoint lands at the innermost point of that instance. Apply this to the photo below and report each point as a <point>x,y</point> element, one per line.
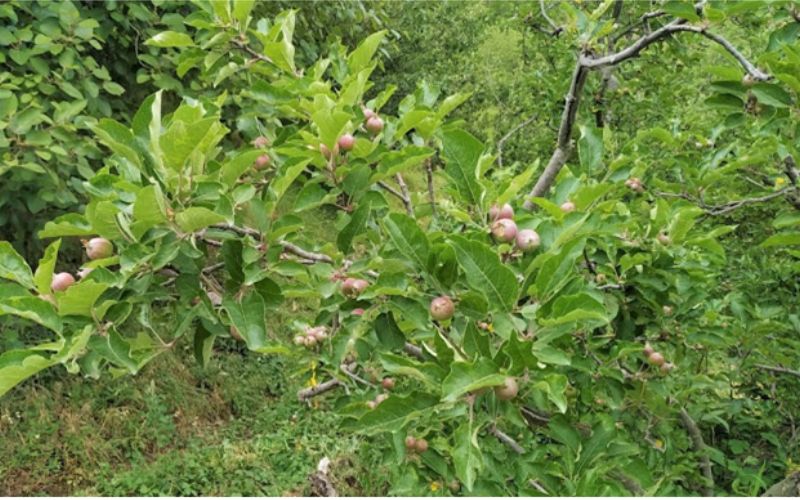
<point>431,191</point>
<point>733,205</point>
<point>402,197</point>
<point>243,231</point>
<point>348,371</point>
<point>246,48</point>
<point>322,388</point>
<point>779,369</point>
<point>413,350</point>
<point>556,28</point>
<point>509,134</point>
<point>406,196</point>
<point>305,254</point>
<point>506,439</point>
<point>700,447</point>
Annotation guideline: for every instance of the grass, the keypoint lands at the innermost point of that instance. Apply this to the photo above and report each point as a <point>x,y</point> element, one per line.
<point>235,428</point>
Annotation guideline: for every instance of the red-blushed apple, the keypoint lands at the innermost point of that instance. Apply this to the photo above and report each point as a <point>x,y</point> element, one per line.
<point>346,142</point>
<point>99,248</point>
<point>262,162</point>
<point>508,390</point>
<point>61,282</point>
<point>527,240</point>
<point>260,142</point>
<point>667,367</point>
<point>411,443</point>
<point>648,349</point>
<point>368,113</point>
<point>374,124</point>
<point>387,383</point>
<point>421,446</point>
<point>442,308</point>
<point>504,230</point>
<point>358,311</point>
<point>656,359</point>
<point>567,207</point>
<point>663,238</point>
<point>504,212</point>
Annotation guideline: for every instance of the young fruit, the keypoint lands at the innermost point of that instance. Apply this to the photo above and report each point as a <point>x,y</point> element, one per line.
<point>372,405</point>
<point>380,398</point>
<point>421,446</point>
<point>663,238</point>
<point>346,142</point>
<point>508,390</point>
<point>374,124</point>
<point>648,349</point>
<point>61,282</point>
<point>411,443</point>
<point>299,340</point>
<point>600,278</point>
<point>262,162</point>
<point>656,359</point>
<point>442,308</point>
<point>567,207</point>
<point>635,184</point>
<point>506,212</point>
<point>387,383</point>
<point>99,248</point>
<point>667,367</point>
<point>667,310</point>
<point>528,240</point>
<point>504,230</point>
<point>260,142</point>
<point>368,113</point>
<point>358,311</point>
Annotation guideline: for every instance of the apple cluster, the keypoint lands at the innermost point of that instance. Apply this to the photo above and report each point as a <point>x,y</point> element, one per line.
<point>96,248</point>
<point>311,336</point>
<point>655,358</point>
<point>505,229</point>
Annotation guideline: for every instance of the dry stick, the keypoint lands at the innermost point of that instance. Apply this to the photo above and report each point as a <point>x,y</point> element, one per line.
<point>431,192</point>
<point>322,388</point>
<point>588,63</point>
<point>321,484</point>
<point>413,350</point>
<point>506,439</point>
<point>509,134</point>
<point>700,447</point>
<point>406,197</point>
<point>779,369</point>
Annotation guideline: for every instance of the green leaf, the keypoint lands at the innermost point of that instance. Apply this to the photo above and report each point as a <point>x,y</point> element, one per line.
<point>241,10</point>
<point>682,9</point>
<point>170,39</point>
<point>203,345</point>
<point>79,299</point>
<point>467,457</point>
<point>247,316</point>
<point>429,374</point>
<point>288,174</point>
<point>361,57</point>
<point>34,309</point>
<point>194,218</point>
<point>408,238</point>
<point>67,225</point>
<point>485,274</point>
<point>13,267</point>
<point>772,95</point>
<point>389,334</point>
<point>116,349</point>
<point>47,264</point>
<point>234,168</point>
<point>781,239</point>
<point>590,149</point>
<point>358,221</point>
<point>466,377</point>
<point>149,210</point>
<point>392,414</point>
<point>462,152</point>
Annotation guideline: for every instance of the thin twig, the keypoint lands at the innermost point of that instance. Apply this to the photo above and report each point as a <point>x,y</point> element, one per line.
<point>406,197</point>
<point>413,350</point>
<point>556,28</point>
<point>322,388</point>
<point>301,252</point>
<point>779,369</point>
<point>700,447</point>
<point>246,48</point>
<point>431,191</point>
<point>506,439</point>
<point>348,371</point>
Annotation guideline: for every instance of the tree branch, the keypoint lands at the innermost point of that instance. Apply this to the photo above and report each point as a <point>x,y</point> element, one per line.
<point>322,388</point>
<point>588,63</point>
<point>700,447</point>
<point>406,196</point>
<point>779,369</point>
<point>431,191</point>
<point>506,439</point>
<point>401,196</point>
<point>301,252</point>
<point>413,350</point>
<point>557,30</point>
<point>509,134</point>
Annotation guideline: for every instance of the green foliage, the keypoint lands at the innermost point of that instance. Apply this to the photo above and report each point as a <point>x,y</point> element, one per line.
<point>213,244</point>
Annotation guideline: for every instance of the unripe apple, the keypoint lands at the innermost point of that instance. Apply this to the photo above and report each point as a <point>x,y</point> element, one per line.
<point>235,333</point>
<point>667,310</point>
<point>508,390</point>
<point>262,162</point>
<point>748,80</point>
<point>372,404</point>
<point>411,443</point>
<point>380,398</point>
<point>567,207</point>
<point>421,446</point>
<point>260,142</point>
<point>388,383</point>
<point>346,142</point>
<point>358,311</point>
<point>310,341</point>
<point>442,308</point>
<point>299,340</point>
<point>368,113</point>
<point>648,350</point>
<point>667,367</point>
<point>454,486</point>
<point>359,285</point>
<point>656,359</point>
<point>663,238</point>
<point>374,124</point>
<point>506,212</point>
<point>61,282</point>
<point>600,278</point>
<point>528,240</point>
<point>504,230</point>
<point>99,248</point>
